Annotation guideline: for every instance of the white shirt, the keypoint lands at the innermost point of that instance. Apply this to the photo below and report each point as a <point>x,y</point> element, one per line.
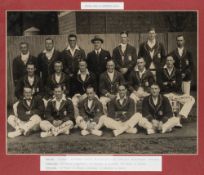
<point>83,76</point>
<point>49,53</point>
<point>123,47</point>
<point>170,70</point>
<point>121,100</point>
<point>151,44</point>
<point>73,50</point>
<point>155,101</point>
<point>25,57</point>
<point>98,51</point>
<point>57,77</point>
<point>141,73</point>
<point>31,80</point>
<point>58,103</point>
<point>180,51</point>
<point>111,75</point>
<point>90,102</point>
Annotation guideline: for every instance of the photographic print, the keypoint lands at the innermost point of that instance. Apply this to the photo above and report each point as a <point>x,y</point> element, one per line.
<point>102,82</point>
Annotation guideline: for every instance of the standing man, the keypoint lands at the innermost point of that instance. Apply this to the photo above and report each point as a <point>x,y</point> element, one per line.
<point>140,80</point>
<point>58,78</point>
<point>46,59</point>
<point>30,80</point>
<point>184,63</point>
<point>80,82</point>
<point>152,51</point>
<point>157,109</point>
<point>28,115</point>
<point>169,79</point>
<point>20,62</point>
<point>90,112</point>
<point>72,55</point>
<point>122,116</point>
<point>108,84</point>
<point>97,58</point>
<point>124,55</point>
<point>59,115</point>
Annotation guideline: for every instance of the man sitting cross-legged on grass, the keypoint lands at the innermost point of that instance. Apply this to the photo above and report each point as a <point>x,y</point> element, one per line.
<point>121,115</point>
<point>90,111</point>
<point>157,109</point>
<point>27,114</point>
<point>59,115</point>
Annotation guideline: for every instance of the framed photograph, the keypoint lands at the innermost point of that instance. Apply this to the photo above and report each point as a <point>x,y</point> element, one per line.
<point>101,87</point>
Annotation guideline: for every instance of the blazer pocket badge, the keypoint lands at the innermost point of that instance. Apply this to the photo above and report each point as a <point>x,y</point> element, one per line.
<point>187,62</point>
<point>65,112</point>
<point>130,58</point>
<point>106,58</point>
<point>37,89</point>
<point>159,55</point>
<point>160,112</point>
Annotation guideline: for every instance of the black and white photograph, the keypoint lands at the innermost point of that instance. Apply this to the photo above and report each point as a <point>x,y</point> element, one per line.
<point>102,82</point>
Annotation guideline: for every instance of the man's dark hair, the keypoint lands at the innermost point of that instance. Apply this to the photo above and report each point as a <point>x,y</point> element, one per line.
<point>49,39</point>
<point>72,35</point>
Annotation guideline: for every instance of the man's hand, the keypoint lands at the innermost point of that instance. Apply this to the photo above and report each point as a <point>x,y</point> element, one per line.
<point>165,83</point>
<point>91,125</point>
<point>57,122</point>
<point>123,70</point>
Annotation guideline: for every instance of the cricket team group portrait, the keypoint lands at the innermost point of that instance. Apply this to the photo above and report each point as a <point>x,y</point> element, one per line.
<point>101,82</point>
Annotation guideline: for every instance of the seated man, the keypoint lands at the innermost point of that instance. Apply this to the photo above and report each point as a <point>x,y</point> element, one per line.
<point>80,82</point>
<point>59,115</point>
<point>90,111</point>
<point>121,115</point>
<point>58,78</point>
<point>140,80</point>
<point>108,84</point>
<point>29,111</point>
<point>31,80</point>
<point>169,79</point>
<point>157,109</point>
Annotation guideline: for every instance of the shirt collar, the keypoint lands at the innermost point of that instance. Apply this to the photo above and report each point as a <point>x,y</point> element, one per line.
<point>98,51</point>
<point>25,55</point>
<point>165,67</point>
<point>182,48</point>
<point>63,98</point>
<point>136,69</point>
<point>118,97</point>
<point>76,48</point>
<point>151,42</point>
<point>46,51</point>
<point>87,72</point>
<point>26,99</point>
<point>123,45</point>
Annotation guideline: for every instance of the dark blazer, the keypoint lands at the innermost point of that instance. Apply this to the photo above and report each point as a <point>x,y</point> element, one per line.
<point>37,86</point>
<point>159,54</point>
<point>71,64</point>
<point>65,112</point>
<point>173,80</point>
<point>121,112</point>
<point>46,67</point>
<point>19,67</point>
<point>78,86</point>
<point>183,63</point>
<point>105,84</point>
<point>130,57</point>
<point>94,113</point>
<point>36,107</point>
<point>145,81</point>
<point>97,64</point>
<point>162,111</point>
<point>51,83</point>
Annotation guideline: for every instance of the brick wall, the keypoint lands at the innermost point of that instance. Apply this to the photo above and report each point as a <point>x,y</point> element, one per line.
<point>67,22</point>
<point>135,22</point>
